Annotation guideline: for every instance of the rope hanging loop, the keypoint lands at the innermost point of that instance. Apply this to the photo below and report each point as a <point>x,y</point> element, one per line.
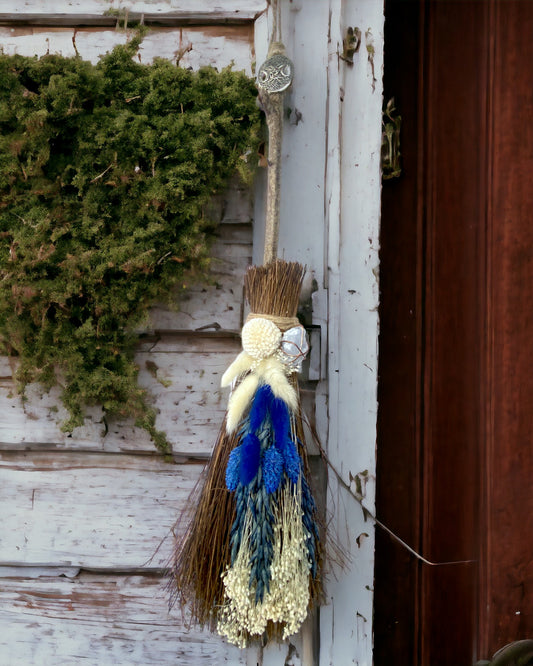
<point>273,78</point>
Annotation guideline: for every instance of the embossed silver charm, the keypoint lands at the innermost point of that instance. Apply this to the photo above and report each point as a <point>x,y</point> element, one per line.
<point>275,74</point>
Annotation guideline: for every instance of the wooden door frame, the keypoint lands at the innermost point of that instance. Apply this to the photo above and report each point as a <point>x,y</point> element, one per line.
<point>455,424</point>
<point>397,574</point>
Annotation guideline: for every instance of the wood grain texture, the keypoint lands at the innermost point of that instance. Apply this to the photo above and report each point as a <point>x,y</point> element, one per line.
<point>477,329</point>
<point>126,19</point>
<point>510,454</point>
<point>218,9</point>
<point>90,510</point>
<point>218,304</point>
<point>100,620</point>
<point>183,381</point>
<point>211,45</point>
<point>453,306</point>
<point>398,453</point>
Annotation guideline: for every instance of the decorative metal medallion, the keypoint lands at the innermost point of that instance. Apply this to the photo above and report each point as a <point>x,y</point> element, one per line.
<point>275,74</point>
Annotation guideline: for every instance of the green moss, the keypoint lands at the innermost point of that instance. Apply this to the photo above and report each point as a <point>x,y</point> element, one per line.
<point>106,172</point>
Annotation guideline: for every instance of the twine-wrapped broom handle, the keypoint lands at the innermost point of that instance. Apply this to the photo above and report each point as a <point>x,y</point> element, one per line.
<point>273,78</point>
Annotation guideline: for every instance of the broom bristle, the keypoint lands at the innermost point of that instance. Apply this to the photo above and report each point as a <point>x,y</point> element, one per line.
<point>203,553</point>
<point>316,588</point>
<point>274,289</point>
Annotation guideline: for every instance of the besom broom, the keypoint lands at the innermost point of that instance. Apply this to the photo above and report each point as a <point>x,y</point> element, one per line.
<point>249,563</point>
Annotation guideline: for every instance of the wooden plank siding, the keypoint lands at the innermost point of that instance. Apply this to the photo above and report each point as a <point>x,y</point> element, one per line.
<point>88,517</point>
<point>94,618</point>
<point>90,510</point>
<point>194,47</point>
<point>105,605</point>
<point>182,376</point>
<point>217,11</point>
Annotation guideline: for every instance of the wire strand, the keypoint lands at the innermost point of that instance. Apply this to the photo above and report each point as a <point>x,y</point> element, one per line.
<point>369,513</point>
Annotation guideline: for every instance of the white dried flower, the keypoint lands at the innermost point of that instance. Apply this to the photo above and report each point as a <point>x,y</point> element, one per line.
<point>287,600</point>
<point>260,338</point>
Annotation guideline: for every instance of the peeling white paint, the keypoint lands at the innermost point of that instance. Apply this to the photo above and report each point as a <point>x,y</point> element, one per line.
<point>100,499</point>
<point>196,47</point>
<point>220,8</point>
<point>100,619</point>
<point>330,221</point>
<point>353,224</point>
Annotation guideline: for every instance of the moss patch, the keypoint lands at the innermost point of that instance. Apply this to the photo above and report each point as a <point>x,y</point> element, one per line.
<point>105,174</point>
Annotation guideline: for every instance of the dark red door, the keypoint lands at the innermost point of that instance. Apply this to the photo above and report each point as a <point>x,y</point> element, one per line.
<point>455,426</point>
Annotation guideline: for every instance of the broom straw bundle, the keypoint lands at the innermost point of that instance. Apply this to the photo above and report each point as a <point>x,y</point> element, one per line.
<point>202,554</point>
<point>274,289</point>
<point>259,458</point>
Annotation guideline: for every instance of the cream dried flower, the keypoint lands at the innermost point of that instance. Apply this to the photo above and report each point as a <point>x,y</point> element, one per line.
<point>260,338</point>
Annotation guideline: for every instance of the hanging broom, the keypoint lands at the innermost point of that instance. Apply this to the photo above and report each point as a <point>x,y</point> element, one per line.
<point>249,561</point>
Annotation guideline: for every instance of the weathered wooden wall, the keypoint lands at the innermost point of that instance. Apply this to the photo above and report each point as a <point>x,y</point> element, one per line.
<point>87,518</point>
<point>86,513</point>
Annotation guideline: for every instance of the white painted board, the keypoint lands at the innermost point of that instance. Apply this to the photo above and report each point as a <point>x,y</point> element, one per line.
<point>218,9</point>
<point>217,304</point>
<point>100,620</point>
<point>353,178</point>
<point>218,46</point>
<point>91,510</point>
<point>182,377</point>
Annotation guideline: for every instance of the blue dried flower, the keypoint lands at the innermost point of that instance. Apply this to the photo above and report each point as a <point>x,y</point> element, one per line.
<point>250,458</point>
<point>311,528</point>
<point>281,422</point>
<point>233,469</point>
<point>260,406</point>
<point>272,469</point>
<point>292,461</point>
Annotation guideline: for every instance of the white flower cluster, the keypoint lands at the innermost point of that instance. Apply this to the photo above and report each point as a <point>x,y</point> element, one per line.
<point>260,338</point>
<point>288,598</point>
